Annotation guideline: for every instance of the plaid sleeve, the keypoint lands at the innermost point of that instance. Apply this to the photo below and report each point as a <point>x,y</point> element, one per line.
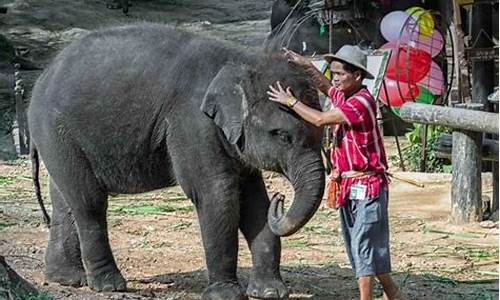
<point>335,96</point>
<point>355,111</point>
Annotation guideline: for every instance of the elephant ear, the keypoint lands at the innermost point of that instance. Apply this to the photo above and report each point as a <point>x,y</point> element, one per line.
<point>225,100</point>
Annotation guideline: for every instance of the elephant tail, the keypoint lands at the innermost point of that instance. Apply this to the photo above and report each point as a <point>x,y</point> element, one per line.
<point>35,169</point>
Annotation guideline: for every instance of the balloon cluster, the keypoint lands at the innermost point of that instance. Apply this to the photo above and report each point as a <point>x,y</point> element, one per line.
<point>411,73</point>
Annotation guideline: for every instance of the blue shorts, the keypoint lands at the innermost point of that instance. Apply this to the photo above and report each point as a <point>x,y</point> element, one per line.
<point>365,225</point>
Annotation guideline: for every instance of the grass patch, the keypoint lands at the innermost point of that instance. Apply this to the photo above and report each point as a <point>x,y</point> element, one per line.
<point>149,209</point>
<point>6,180</point>
<point>476,254</point>
<point>295,243</point>
<point>182,226</point>
<point>4,225</point>
<point>41,296</point>
<point>438,279</point>
<point>317,229</point>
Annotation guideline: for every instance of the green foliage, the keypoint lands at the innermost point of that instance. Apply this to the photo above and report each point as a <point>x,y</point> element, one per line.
<point>295,243</point>
<point>413,152</point>
<point>41,296</point>
<point>148,209</point>
<point>6,180</point>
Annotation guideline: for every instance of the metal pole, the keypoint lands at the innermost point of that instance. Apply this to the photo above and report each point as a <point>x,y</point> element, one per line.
<point>401,161</point>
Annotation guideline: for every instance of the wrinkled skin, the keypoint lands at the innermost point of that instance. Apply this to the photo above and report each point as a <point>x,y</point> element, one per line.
<point>151,107</point>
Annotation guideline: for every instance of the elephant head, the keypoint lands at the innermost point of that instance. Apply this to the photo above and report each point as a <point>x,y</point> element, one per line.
<point>269,136</point>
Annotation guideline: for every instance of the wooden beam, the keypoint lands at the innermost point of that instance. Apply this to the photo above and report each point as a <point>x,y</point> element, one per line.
<point>466,191</point>
<point>459,118</point>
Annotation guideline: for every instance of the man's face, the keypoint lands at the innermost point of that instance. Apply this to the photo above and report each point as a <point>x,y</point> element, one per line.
<point>344,81</point>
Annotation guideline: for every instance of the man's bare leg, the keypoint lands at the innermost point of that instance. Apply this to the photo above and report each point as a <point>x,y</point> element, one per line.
<point>391,291</point>
<point>365,287</point>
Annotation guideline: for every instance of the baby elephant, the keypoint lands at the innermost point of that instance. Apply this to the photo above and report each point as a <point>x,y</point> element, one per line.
<point>142,107</point>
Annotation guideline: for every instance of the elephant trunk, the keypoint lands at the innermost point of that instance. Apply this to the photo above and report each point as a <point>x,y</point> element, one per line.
<point>308,179</point>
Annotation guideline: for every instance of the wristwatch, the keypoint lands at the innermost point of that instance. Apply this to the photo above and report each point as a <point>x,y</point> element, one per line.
<point>291,101</point>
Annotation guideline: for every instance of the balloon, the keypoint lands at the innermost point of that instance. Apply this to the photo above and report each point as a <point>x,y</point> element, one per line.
<point>407,64</point>
<point>434,80</point>
<point>397,25</point>
<point>424,20</point>
<point>432,45</point>
<point>399,92</point>
<point>424,96</point>
<point>395,110</point>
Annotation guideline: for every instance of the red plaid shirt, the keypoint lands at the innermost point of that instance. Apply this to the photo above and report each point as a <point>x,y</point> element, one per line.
<point>358,144</point>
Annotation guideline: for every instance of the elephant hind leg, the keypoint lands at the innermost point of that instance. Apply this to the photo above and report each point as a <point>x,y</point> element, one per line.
<point>63,259</point>
<point>87,200</point>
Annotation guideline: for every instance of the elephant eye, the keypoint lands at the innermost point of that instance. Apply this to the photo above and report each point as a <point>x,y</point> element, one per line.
<point>282,135</point>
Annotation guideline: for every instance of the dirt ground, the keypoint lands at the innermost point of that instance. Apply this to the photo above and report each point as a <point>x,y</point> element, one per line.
<point>155,236</point>
<point>156,242</point>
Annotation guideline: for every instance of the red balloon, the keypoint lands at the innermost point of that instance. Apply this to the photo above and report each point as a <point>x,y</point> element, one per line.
<point>408,64</point>
<point>399,92</point>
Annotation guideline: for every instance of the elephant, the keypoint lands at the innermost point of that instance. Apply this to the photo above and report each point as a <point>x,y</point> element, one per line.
<point>145,106</point>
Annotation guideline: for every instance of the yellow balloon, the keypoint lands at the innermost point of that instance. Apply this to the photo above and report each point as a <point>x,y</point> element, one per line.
<point>424,19</point>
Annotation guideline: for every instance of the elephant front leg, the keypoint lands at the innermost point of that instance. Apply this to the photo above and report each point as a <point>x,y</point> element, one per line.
<point>265,280</point>
<point>218,216</point>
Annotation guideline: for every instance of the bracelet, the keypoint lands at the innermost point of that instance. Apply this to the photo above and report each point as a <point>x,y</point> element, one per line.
<point>291,101</point>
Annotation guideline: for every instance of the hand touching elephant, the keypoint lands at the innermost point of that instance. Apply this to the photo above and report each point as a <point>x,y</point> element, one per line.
<point>149,107</point>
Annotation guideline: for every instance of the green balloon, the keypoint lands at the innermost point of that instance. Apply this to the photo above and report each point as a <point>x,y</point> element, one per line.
<point>424,96</point>
<point>395,110</point>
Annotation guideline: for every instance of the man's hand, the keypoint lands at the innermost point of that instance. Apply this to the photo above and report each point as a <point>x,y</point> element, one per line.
<point>296,58</point>
<point>280,95</point>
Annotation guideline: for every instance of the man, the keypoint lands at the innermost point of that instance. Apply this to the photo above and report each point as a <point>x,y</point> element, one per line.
<point>359,162</point>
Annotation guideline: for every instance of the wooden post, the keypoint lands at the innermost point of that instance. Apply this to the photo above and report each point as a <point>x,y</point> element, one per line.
<point>461,67</point>
<point>481,37</point>
<point>494,201</point>
<point>466,196</point>
<point>22,123</point>
<point>466,119</point>
<point>423,148</point>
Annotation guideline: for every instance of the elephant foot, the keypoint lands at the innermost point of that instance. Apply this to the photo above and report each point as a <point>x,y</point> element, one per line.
<point>107,282</point>
<point>224,291</point>
<point>69,276</point>
<point>267,289</point>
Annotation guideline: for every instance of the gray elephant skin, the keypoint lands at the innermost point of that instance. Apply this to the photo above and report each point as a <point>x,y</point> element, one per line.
<point>141,107</point>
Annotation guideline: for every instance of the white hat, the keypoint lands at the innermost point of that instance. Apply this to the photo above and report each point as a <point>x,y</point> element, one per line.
<point>352,55</point>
